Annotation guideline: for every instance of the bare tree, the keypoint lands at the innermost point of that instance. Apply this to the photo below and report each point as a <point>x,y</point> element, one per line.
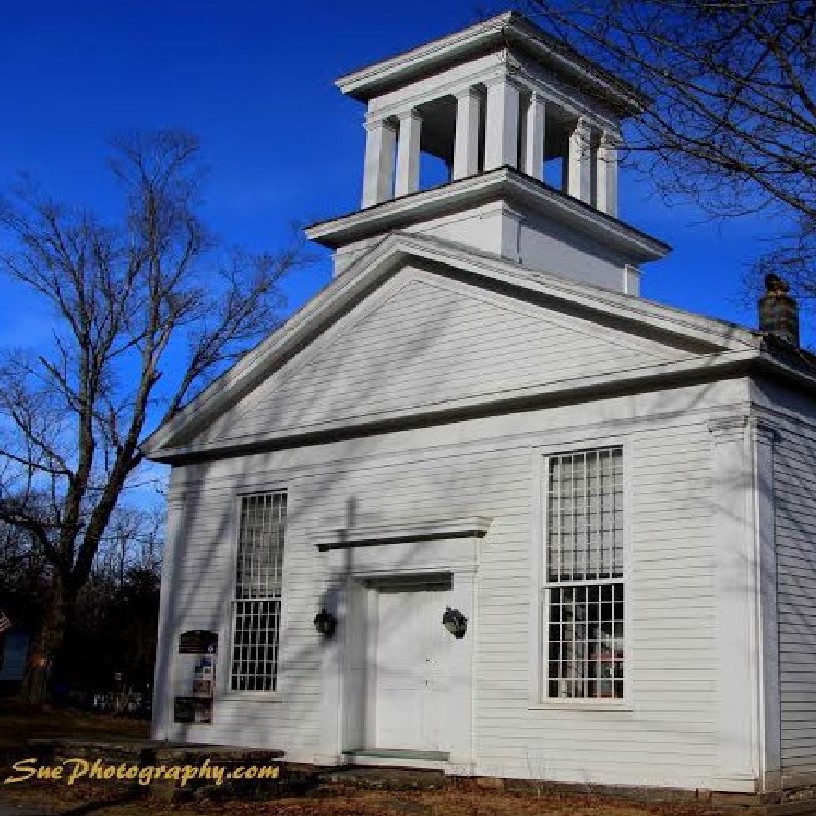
<point>144,310</point>
<point>732,124</point>
<point>133,540</point>
<point>23,575</point>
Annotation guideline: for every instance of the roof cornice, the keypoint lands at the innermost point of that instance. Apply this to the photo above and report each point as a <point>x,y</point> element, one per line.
<point>580,389</point>
<point>504,183</point>
<point>505,30</point>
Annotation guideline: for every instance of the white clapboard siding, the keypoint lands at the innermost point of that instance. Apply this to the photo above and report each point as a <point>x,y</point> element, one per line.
<point>795,510</point>
<point>667,737</point>
<point>200,597</point>
<point>425,341</point>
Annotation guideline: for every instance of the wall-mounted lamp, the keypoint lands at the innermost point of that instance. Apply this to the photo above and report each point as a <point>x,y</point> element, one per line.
<point>325,623</point>
<point>455,622</point>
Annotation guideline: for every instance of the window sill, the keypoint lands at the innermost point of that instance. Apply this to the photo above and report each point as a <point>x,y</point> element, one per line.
<point>250,697</point>
<point>601,706</point>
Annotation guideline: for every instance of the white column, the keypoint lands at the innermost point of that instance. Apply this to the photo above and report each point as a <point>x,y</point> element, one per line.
<point>534,138</point>
<point>331,654</point>
<point>502,122</point>
<point>167,646</point>
<point>381,140</point>
<point>466,145</point>
<point>737,592</point>
<point>579,178</point>
<point>607,174</point>
<point>410,125</point>
<point>460,703</point>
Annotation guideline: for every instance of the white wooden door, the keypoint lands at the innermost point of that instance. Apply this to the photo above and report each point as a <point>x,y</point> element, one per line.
<point>409,669</point>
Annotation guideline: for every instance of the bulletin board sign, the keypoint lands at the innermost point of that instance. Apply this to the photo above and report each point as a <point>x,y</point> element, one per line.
<point>198,641</point>
<point>195,676</point>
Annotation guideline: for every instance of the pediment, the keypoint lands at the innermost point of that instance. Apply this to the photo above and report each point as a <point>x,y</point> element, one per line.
<point>424,337</point>
<point>428,342</point>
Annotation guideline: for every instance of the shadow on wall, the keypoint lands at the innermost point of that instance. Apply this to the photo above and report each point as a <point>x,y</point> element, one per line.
<point>202,548</point>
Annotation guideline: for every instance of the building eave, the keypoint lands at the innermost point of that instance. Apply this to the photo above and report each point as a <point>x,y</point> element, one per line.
<point>580,389</point>
<point>505,183</point>
<point>712,368</point>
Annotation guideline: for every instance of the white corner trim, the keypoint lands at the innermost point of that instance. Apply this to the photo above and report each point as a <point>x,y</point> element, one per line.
<point>464,527</point>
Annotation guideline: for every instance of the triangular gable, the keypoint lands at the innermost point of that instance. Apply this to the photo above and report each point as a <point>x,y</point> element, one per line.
<point>431,328</point>
<point>431,342</point>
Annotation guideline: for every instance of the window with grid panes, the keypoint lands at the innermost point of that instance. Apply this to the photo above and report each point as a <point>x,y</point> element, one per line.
<point>584,588</point>
<point>257,603</point>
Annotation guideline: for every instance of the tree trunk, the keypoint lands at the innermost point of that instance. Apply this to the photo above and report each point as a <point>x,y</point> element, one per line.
<point>46,648</point>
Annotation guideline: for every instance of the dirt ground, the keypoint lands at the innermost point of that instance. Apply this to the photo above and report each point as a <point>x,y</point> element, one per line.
<point>55,798</point>
<point>334,800</point>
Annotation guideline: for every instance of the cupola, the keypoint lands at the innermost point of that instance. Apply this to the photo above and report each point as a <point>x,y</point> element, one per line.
<point>527,136</point>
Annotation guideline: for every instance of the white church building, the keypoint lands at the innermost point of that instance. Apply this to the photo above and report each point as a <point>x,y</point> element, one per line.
<point>479,506</point>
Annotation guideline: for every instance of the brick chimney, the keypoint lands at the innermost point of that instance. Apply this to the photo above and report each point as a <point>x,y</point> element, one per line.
<point>778,311</point>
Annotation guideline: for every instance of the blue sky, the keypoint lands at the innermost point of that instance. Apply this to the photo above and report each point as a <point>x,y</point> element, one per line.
<point>255,81</point>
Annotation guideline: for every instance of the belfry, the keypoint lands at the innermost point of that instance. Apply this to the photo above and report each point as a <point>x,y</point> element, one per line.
<point>526,136</point>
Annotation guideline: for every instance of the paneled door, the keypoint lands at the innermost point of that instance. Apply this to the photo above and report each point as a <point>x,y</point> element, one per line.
<point>410,669</point>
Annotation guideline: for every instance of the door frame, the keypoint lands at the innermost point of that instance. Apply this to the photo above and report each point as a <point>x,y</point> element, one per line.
<point>349,568</point>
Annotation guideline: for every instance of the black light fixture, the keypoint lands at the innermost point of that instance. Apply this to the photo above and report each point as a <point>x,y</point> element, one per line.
<point>325,623</point>
<point>455,622</point>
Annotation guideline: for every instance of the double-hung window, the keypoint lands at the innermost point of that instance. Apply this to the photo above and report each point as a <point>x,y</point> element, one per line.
<point>584,572</point>
<point>257,604</point>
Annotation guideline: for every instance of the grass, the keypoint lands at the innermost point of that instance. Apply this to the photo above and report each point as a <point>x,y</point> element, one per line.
<point>19,724</point>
